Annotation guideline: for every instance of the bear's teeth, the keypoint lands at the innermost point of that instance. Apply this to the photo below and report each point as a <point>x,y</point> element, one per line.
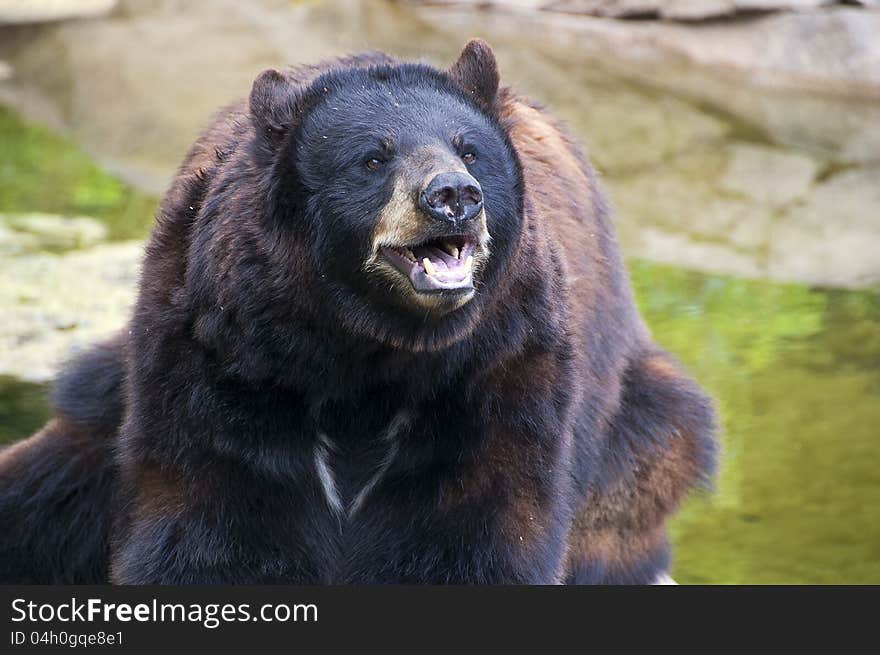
<point>450,249</point>
<point>429,267</point>
<point>409,254</point>
<point>469,262</point>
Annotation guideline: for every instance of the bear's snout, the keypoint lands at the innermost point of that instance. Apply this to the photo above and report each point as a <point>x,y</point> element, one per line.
<point>453,197</point>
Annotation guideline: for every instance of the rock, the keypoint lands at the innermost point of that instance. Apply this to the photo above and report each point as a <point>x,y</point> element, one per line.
<point>653,132</point>
<point>31,232</point>
<point>675,214</point>
<point>695,9</point>
<point>690,10</point>
<point>832,238</point>
<point>755,212</point>
<point>54,305</point>
<point>609,8</point>
<point>655,128</point>
<point>686,10</point>
<point>835,49</point>
<point>832,49</point>
<point>769,176</point>
<point>682,250</point>
<point>39,11</point>
<point>13,242</point>
<point>824,125</point>
<point>781,5</point>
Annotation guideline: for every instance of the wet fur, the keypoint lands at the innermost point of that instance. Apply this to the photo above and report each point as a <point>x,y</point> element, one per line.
<point>547,439</point>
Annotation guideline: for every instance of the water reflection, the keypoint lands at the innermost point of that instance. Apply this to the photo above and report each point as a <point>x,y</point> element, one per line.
<point>23,408</point>
<point>796,372</point>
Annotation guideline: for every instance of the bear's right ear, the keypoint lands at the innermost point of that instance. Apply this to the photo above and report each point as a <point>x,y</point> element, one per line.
<point>273,105</point>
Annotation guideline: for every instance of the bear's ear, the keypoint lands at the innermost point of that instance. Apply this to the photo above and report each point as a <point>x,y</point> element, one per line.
<point>476,73</point>
<point>273,105</point>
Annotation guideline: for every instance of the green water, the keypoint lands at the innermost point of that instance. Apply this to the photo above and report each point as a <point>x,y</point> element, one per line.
<point>796,374</point>
<point>795,371</point>
<point>41,172</point>
<point>23,408</point>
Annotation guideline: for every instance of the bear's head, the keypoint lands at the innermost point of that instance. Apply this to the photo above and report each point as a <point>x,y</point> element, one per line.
<point>400,182</point>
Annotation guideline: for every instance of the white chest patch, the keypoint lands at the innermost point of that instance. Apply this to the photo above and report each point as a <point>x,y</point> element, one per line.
<point>324,449</point>
<point>325,474</point>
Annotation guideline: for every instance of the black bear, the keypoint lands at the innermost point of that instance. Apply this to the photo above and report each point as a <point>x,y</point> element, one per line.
<point>383,334</point>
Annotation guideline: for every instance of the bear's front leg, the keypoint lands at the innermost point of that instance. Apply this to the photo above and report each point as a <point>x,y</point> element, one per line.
<point>226,524</point>
<point>659,446</point>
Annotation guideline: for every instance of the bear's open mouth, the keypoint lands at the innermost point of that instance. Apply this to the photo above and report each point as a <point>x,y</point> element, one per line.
<point>445,264</point>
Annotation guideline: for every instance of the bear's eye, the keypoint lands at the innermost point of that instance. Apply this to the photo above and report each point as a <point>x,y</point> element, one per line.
<point>373,164</point>
<point>469,158</point>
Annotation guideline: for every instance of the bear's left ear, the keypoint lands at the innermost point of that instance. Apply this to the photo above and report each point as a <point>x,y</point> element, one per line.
<point>273,105</point>
<point>476,73</point>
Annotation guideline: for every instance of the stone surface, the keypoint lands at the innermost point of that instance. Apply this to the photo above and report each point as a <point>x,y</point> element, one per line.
<point>834,236</point>
<point>54,305</point>
<point>13,242</point>
<point>769,176</point>
<point>676,214</point>
<point>610,8</point>
<point>685,10</point>
<point>677,9</point>
<point>835,49</point>
<point>690,10</point>
<point>695,9</point>
<point>38,11</point>
<point>21,233</point>
<point>653,132</point>
<point>827,48</point>
<point>753,211</point>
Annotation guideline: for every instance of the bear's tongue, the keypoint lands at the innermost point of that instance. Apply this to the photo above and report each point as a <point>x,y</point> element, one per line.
<point>440,264</point>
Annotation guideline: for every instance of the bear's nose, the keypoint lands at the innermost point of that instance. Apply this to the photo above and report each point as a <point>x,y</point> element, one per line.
<point>453,197</point>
